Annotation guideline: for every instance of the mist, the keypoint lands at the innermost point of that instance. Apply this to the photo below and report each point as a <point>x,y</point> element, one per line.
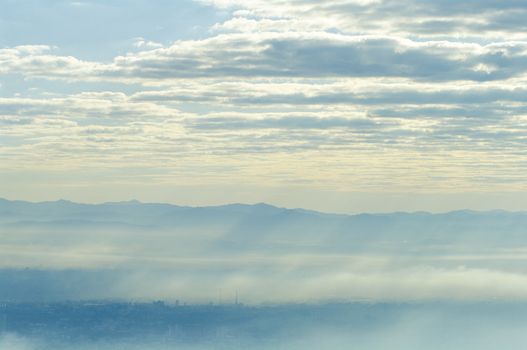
<point>61,250</point>
<point>154,276</point>
<point>292,326</point>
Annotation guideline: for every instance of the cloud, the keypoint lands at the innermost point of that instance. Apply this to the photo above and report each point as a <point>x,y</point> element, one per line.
<point>363,91</point>
<point>411,18</point>
<point>37,61</point>
<point>142,43</point>
<point>290,55</point>
<point>290,122</point>
<point>432,95</point>
<point>109,130</point>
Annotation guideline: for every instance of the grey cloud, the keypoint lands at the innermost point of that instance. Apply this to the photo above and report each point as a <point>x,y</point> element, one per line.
<point>396,99</point>
<point>435,26</point>
<point>295,55</point>
<point>292,122</point>
<point>281,55</point>
<point>446,96</point>
<point>487,114</point>
<point>454,7</point>
<point>513,20</point>
<point>6,120</point>
<point>415,18</point>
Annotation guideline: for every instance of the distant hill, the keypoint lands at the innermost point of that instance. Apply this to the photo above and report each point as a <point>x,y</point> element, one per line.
<point>243,226</point>
<point>61,250</point>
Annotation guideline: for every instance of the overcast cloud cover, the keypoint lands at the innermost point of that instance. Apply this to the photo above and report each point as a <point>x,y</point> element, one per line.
<point>365,105</point>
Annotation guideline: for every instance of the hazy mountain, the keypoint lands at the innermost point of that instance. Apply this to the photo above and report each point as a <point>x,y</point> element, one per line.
<point>244,226</point>
<point>60,250</point>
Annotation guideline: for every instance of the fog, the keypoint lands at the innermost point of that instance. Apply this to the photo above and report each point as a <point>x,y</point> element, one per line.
<point>154,277</point>
<point>66,251</point>
<point>347,326</point>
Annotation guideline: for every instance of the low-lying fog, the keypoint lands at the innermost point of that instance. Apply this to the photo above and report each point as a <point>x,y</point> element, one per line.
<point>431,326</point>
<point>404,281</point>
<point>68,251</point>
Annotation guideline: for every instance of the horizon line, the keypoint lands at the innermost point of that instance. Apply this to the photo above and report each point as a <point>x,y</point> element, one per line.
<point>136,201</point>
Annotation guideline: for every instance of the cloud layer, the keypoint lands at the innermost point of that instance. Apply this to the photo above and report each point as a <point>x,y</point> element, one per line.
<point>349,96</point>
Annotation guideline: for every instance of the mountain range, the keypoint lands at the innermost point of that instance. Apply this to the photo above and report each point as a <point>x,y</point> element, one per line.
<point>63,250</point>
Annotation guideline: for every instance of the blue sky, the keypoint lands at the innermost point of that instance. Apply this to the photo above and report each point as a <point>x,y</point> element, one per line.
<point>101,30</point>
<point>341,105</point>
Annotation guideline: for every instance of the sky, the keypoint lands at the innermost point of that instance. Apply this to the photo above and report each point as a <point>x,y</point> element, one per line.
<point>337,105</point>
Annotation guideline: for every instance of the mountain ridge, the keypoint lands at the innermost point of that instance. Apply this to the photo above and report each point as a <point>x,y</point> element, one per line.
<point>259,205</point>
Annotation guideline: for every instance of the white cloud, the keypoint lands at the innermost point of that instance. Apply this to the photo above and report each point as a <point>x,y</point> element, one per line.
<point>142,43</point>
<point>479,20</point>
